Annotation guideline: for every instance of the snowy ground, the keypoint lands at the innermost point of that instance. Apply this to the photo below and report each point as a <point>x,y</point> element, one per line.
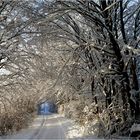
<point>52,126</point>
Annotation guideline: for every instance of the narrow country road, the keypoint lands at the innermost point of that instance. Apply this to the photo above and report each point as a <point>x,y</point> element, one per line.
<point>51,126</point>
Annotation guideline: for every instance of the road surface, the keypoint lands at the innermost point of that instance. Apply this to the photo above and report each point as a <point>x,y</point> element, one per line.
<point>51,126</point>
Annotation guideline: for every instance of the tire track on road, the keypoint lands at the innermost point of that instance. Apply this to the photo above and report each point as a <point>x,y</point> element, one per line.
<point>36,134</point>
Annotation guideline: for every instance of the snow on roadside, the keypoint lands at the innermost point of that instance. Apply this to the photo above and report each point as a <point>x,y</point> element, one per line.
<point>77,131</point>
